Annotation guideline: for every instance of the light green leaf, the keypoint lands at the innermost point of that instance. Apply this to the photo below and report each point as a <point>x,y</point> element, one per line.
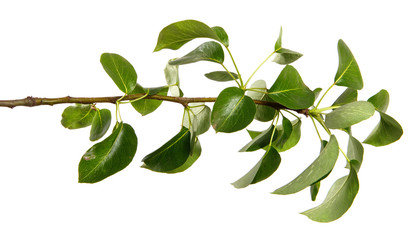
<point>285,133</point>
<point>355,152</point>
<point>191,159</point>
<point>290,90</point>
<point>147,106</point>
<point>348,73</point>
<point>285,56</point>
<point>349,114</point>
<point>288,141</point>
<point>200,115</point>
<point>222,35</point>
<point>120,70</point>
<point>222,76</point>
<point>261,140</point>
<point>171,73</point>
<point>109,156</point>
<point>263,113</point>
<point>380,100</point>
<point>320,168</point>
<point>172,155</point>
<point>387,131</point>
<point>262,170</point>
<point>100,124</point>
<point>232,110</point>
<point>348,96</point>
<point>278,43</point>
<point>338,200</point>
<point>208,51</point>
<point>177,34</point>
<point>317,92</point>
<point>78,116</point>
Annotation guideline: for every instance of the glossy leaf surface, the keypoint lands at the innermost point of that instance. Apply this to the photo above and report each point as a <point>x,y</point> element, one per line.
<point>287,141</point>
<point>285,133</point>
<point>349,114</point>
<point>100,124</point>
<point>196,153</point>
<point>380,100</point>
<point>120,70</point>
<point>387,131</point>
<point>348,73</point>
<point>109,156</point>
<point>261,140</point>
<point>208,51</point>
<point>221,76</point>
<point>263,113</point>
<point>77,116</point>
<point>147,106</point>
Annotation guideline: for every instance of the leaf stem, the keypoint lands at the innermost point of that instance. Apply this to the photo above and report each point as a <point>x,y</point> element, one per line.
<point>276,119</point>
<point>260,65</point>
<point>324,94</point>
<point>231,75</point>
<point>315,127</point>
<point>235,66</point>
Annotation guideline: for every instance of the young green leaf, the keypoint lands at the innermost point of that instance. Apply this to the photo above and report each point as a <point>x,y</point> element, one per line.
<point>285,141</point>
<point>285,56</point>
<point>387,131</point>
<point>109,156</point>
<point>348,96</point>
<point>317,92</point>
<point>191,159</point>
<point>171,155</point>
<point>100,124</point>
<point>355,152</point>
<point>278,43</point>
<point>262,170</point>
<point>78,116</point>
<point>120,70</point>
<point>348,73</point>
<point>222,76</point>
<point>171,73</point>
<point>380,100</point>
<point>338,200</point>
<point>320,168</point>
<point>208,51</point>
<point>177,34</point>
<point>286,133</point>
<point>200,117</point>
<point>222,35</point>
<point>290,90</point>
<point>349,114</point>
<point>232,110</point>
<point>314,190</point>
<point>147,106</point>
<point>263,113</point>
<point>261,140</point>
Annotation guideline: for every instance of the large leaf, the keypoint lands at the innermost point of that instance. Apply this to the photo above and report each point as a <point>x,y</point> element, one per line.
<point>78,116</point>
<point>200,116</point>
<point>349,114</point>
<point>222,76</point>
<point>321,167</point>
<point>348,73</point>
<point>348,96</point>
<point>147,106</point>
<point>262,170</point>
<point>263,113</point>
<point>109,156</point>
<point>338,200</point>
<point>100,124</point>
<point>261,140</point>
<point>232,110</point>
<point>120,70</point>
<point>290,90</point>
<point>191,159</point>
<point>171,73</point>
<point>387,131</point>
<point>380,100</point>
<point>177,34</point>
<point>173,154</point>
<point>208,51</point>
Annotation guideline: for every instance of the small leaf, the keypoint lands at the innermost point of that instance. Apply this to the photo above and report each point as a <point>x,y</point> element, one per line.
<point>348,96</point>
<point>177,34</point>
<point>262,170</point>
<point>171,73</point>
<point>232,110</point>
<point>222,35</point>
<point>380,100</point>
<point>355,152</point>
<point>222,76</point>
<point>348,73</point>
<point>278,43</point>
<point>290,90</point>
<point>173,154</point>
<point>208,51</point>
<point>78,116</point>
<point>261,140</point>
<point>285,56</point>
<point>338,200</point>
<point>263,113</point>
<point>286,132</point>
<point>387,131</point>
<point>147,106</point>
<point>317,92</point>
<point>288,141</point>
<point>320,168</point>
<point>349,114</point>
<point>200,116</point>
<point>109,156</point>
<point>120,70</point>
<point>191,159</point>
<point>314,190</point>
<point>100,124</point>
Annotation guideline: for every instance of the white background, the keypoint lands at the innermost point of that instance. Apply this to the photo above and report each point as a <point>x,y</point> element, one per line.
<point>52,49</point>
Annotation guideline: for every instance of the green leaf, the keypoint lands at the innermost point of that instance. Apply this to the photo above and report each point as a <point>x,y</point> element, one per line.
<point>78,116</point>
<point>355,152</point>
<point>120,70</point>
<point>262,170</point>
<point>349,114</point>
<point>314,190</point>
<point>147,106</point>
<point>348,96</point>
<point>320,168</point>
<point>177,34</point>
<point>171,73</point>
<point>191,159</point>
<point>338,200</point>
<point>173,154</point>
<point>109,156</point>
<point>285,141</point>
<point>286,132</point>
<point>290,90</point>
<point>263,113</point>
<point>222,76</point>
<point>232,110</point>
<point>285,56</point>
<point>317,92</point>
<point>261,140</point>
<point>222,35</point>
<point>200,117</point>
<point>380,100</point>
<point>387,131</point>
<point>278,43</point>
<point>100,124</point>
<point>348,73</point>
<point>208,51</point>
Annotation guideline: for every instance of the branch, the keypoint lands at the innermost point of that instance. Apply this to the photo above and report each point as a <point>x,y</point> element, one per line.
<point>35,101</point>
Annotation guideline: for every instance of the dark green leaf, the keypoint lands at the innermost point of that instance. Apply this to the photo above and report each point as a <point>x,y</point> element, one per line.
<point>348,73</point>
<point>222,76</point>
<point>261,140</point>
<point>200,115</point>
<point>222,35</point>
<point>338,200</point>
<point>349,114</point>
<point>120,70</point>
<point>320,168</point>
<point>191,159</point>
<point>263,113</point>
<point>285,56</point>
<point>314,190</point>
<point>380,100</point>
<point>262,170</point>
<point>208,51</point>
<point>290,141</point>
<point>290,90</point>
<point>286,133</point>
<point>355,152</point>
<point>109,156</point>
<point>171,73</point>
<point>177,34</point>
<point>100,124</point>
<point>348,96</point>
<point>147,106</point>
<point>387,131</point>
<point>78,116</point>
<point>232,110</point>
<point>173,154</point>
